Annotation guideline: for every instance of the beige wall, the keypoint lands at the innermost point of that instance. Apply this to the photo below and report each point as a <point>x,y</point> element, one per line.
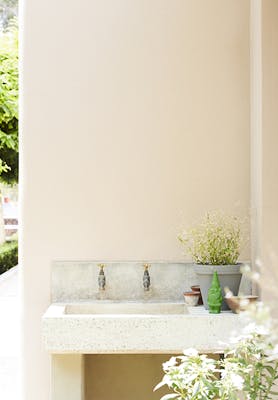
<point>270,150</point>
<point>135,120</point>
<point>125,377</point>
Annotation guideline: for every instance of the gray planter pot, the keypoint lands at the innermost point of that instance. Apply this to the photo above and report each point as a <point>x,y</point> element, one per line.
<point>229,276</point>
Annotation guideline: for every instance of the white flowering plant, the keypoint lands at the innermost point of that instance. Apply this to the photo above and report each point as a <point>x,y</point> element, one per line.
<point>216,240</point>
<point>190,376</point>
<point>248,370</point>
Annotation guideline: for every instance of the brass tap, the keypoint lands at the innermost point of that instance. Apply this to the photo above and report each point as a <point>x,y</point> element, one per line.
<point>101,277</point>
<point>146,277</point>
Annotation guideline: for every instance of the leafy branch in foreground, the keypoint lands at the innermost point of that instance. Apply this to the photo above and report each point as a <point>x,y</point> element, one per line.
<point>248,371</point>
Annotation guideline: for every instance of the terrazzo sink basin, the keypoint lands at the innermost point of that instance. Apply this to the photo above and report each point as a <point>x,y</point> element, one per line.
<point>103,326</point>
<point>125,308</point>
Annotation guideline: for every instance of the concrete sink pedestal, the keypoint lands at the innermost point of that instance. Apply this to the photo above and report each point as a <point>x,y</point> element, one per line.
<point>72,330</point>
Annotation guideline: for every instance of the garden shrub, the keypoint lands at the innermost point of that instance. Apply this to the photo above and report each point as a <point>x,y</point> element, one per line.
<point>9,104</point>
<point>8,255</point>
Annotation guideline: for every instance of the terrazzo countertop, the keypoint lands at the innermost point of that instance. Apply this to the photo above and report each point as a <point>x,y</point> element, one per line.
<point>136,332</point>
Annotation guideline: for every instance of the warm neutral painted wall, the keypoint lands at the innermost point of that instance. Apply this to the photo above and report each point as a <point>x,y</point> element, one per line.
<point>138,375</point>
<point>124,377</point>
<point>269,195</point>
<point>135,119</point>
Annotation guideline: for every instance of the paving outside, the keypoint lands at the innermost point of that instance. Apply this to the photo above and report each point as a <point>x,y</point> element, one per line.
<point>9,336</point>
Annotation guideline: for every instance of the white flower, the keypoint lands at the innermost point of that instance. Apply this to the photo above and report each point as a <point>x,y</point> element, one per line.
<point>255,276</point>
<point>190,352</point>
<point>228,292</point>
<point>237,381</point>
<point>245,269</point>
<point>171,363</point>
<point>256,328</point>
<point>273,354</point>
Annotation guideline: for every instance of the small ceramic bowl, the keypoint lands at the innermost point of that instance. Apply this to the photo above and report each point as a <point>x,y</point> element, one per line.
<point>240,303</point>
<point>191,298</point>
<point>196,288</point>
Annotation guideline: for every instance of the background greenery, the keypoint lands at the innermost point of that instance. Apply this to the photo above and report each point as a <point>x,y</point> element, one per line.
<point>9,103</point>
<point>8,116</point>
<point>8,255</point>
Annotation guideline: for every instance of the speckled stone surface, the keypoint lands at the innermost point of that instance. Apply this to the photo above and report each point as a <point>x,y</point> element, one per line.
<point>137,333</point>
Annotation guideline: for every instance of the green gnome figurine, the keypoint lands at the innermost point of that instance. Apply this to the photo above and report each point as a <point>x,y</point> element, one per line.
<point>214,295</point>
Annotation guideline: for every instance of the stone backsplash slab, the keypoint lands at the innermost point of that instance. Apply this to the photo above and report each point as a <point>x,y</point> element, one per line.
<point>78,280</point>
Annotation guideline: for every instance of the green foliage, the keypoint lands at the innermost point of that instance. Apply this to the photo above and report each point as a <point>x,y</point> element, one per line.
<point>250,361</point>
<point>8,255</point>
<point>216,240</point>
<point>9,104</point>
<point>191,377</point>
<point>249,370</point>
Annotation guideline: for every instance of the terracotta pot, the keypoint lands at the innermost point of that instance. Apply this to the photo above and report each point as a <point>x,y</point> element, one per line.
<point>196,288</point>
<point>191,298</point>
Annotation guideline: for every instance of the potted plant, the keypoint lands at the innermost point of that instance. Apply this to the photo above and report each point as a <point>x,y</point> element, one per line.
<point>214,245</point>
